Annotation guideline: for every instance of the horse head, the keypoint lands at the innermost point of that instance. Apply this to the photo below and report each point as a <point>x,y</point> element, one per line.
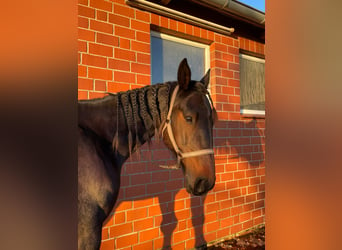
<point>188,130</point>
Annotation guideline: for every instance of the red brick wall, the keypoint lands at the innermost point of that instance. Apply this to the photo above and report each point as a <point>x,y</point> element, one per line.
<point>114,55</point>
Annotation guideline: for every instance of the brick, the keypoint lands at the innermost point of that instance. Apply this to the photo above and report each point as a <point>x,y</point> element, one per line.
<point>123,10</point>
<point>212,207</point>
<point>141,26</point>
<point>228,73</point>
<point>222,233</point>
<point>244,217</point>
<point>181,27</point>
<point>236,229</point>
<point>124,32</point>
<point>220,47</point>
<point>221,195</point>
<point>174,185</point>
<point>155,19</point>
<point>204,33</point>
<point>234,193</point>
<point>143,37</point>
<point>154,210</point>
<point>119,64</point>
<point>101,50</point>
<point>135,191</point>
<point>82,71</point>
<point>107,245</point>
<point>94,61</point>
<point>100,85</point>
<point>143,16</point>
<point>84,2</point>
<point>107,39</point>
<point>148,234</point>
<point>248,207</point>
<point>87,35</point>
<point>160,176</point>
<point>183,214</point>
<point>119,230</point>
<point>234,99</point>
<point>93,95</point>
<point>140,68</point>
<point>233,50</point>
<point>119,217</point>
<point>221,214</point>
<point>137,213</point>
<point>103,74</point>
<point>101,15</point>
<point>119,20</point>
<point>234,83</point>
<point>114,87</point>
<point>83,22</point>
<point>86,11</point>
<point>226,222</point>
<point>181,236</point>
<point>85,84</point>
<point>259,204</point>
<point>82,95</point>
<point>239,200</point>
<point>124,77</point>
<point>101,4</point>
<point>197,31</point>
<point>123,206</point>
<point>141,225</point>
<point>247,224</point>
<point>140,178</point>
<point>239,175</point>
<point>220,64</point>
<point>164,22</point>
<point>144,246</point>
<point>82,46</point>
<point>124,54</point>
<point>179,246</point>
<point>127,240</point>
<point>101,26</point>
<point>141,47</point>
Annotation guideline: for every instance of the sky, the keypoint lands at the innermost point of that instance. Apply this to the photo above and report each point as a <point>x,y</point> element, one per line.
<point>257,4</point>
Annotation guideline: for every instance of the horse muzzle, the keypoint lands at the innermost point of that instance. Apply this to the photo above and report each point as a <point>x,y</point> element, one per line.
<point>201,186</point>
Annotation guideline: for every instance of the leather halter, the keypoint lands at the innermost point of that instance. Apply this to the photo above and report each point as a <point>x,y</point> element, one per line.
<point>180,154</point>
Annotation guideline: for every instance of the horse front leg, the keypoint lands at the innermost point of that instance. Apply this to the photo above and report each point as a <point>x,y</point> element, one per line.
<point>89,227</point>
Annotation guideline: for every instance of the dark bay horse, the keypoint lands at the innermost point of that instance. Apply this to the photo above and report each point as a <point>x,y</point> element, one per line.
<point>113,127</point>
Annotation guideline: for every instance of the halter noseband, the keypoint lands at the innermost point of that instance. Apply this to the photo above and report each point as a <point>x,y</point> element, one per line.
<point>180,154</point>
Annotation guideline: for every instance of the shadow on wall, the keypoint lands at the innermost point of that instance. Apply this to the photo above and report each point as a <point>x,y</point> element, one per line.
<point>159,194</point>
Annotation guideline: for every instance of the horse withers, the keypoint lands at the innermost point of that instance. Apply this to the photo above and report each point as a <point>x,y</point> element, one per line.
<point>113,127</point>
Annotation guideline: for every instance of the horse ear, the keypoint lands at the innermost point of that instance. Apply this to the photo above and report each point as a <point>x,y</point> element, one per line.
<point>184,74</point>
<point>205,80</point>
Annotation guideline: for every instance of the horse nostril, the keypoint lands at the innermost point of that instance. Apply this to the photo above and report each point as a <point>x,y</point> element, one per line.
<point>201,186</point>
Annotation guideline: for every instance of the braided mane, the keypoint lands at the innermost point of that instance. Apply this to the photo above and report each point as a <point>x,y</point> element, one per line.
<point>148,106</point>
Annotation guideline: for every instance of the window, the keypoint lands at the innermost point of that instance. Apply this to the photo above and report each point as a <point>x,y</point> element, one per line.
<point>168,51</point>
<point>252,85</point>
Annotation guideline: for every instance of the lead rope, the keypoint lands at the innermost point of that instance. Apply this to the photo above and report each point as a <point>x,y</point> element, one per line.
<point>179,153</point>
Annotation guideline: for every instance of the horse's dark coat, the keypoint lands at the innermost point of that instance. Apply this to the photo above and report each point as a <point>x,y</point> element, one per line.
<point>113,127</point>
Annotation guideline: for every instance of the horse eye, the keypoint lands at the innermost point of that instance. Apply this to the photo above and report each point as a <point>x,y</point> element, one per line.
<point>188,119</point>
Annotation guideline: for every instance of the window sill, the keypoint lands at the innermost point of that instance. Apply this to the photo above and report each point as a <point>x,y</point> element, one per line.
<point>252,113</point>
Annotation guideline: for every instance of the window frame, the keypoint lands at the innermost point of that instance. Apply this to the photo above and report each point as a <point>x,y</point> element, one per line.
<point>251,112</point>
<point>184,41</point>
